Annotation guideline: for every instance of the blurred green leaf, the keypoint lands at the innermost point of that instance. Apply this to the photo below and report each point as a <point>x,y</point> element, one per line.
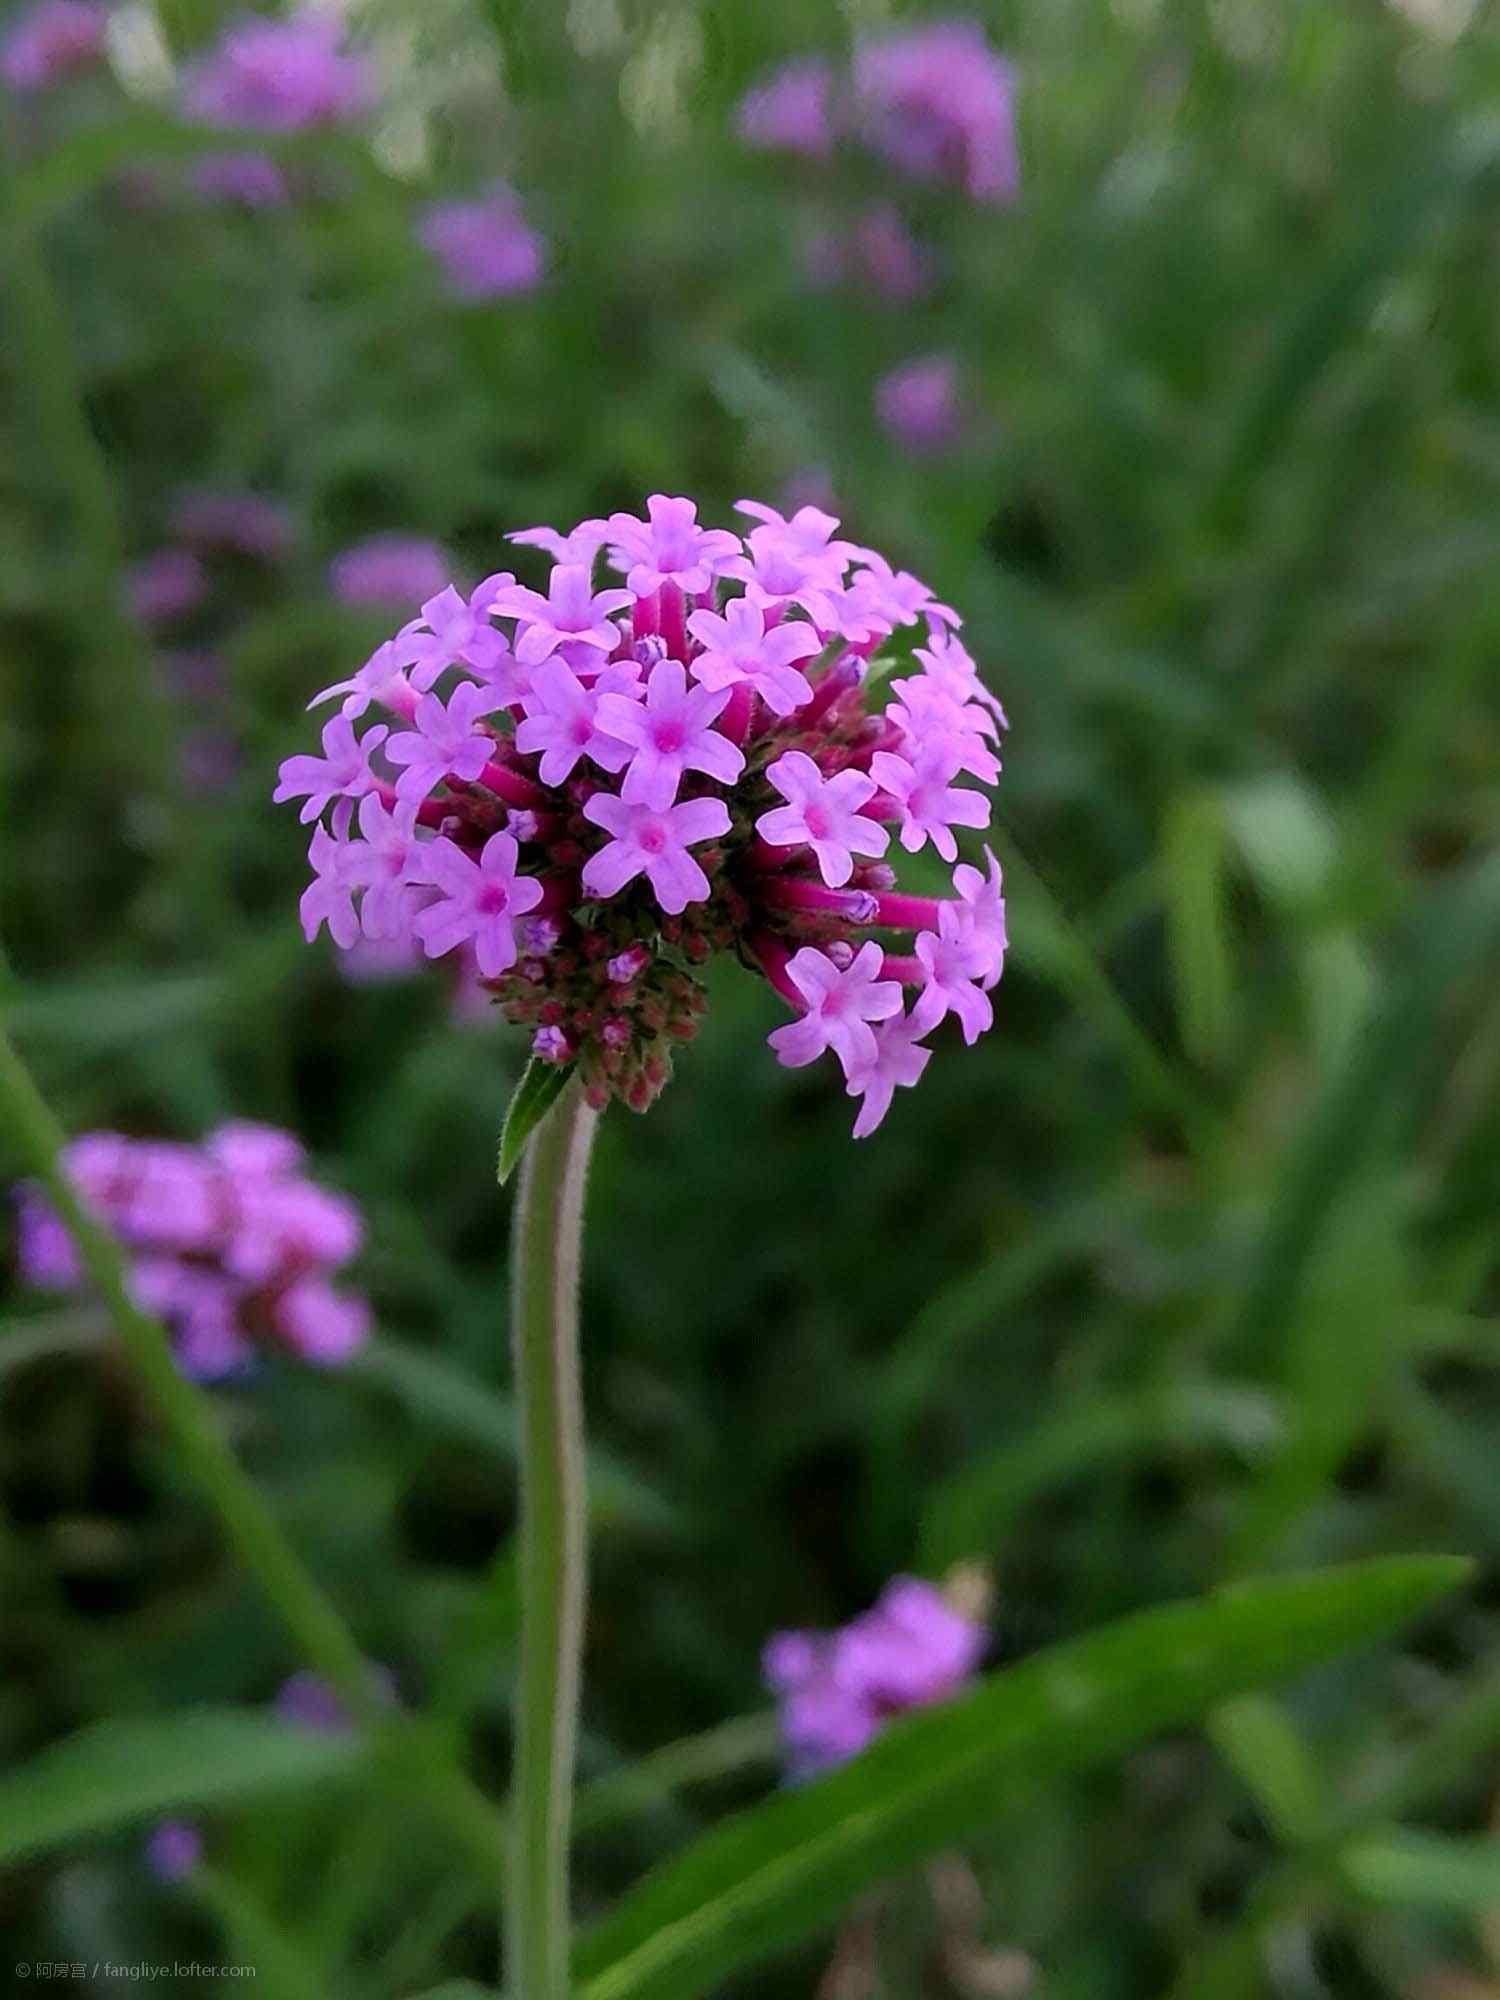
<point>452,1401</point>
<point>1433,1870</point>
<point>116,1774</point>
<point>976,1508</point>
<point>1197,923</point>
<point>1373,1089</point>
<point>1255,1737</point>
<point>782,1870</point>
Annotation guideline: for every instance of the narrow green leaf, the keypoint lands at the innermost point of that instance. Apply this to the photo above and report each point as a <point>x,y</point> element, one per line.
<point>539,1089</point>
<point>1432,1870</point>
<point>1257,1741</point>
<point>976,1508</point>
<point>459,1989</point>
<point>1375,1089</point>
<point>449,1399</point>
<point>1287,840</point>
<point>257,1939</point>
<point>114,1774</point>
<point>1197,924</point>
<point>770,1876</point>
<point>650,1781</point>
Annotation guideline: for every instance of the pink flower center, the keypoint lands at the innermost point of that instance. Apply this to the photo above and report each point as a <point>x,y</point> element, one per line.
<point>668,737</point>
<point>494,899</point>
<point>818,821</point>
<point>652,838</point>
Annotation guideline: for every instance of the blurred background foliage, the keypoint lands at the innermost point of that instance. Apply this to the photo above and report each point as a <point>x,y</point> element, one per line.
<point>1187,1271</point>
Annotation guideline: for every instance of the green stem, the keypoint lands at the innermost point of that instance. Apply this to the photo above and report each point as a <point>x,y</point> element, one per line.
<point>545,1254</point>
<point>187,1413</point>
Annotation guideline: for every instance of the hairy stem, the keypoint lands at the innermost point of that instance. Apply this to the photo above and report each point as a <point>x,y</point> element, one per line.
<point>548,1231</point>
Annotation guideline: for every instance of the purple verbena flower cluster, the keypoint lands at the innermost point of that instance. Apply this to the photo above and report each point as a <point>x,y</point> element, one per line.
<point>485,246</point>
<point>596,789</point>
<point>229,1243</point>
<point>934,101</point>
<point>837,1690</point>
<point>52,41</point>
<point>280,75</point>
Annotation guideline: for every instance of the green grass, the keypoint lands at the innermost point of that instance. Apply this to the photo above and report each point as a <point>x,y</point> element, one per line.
<point>1187,1272</point>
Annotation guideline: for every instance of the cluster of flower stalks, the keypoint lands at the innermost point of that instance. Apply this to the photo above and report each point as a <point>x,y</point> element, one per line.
<point>595,786</point>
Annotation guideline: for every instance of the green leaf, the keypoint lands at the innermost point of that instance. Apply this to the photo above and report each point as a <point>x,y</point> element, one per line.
<point>451,1400</point>
<point>459,1989</point>
<point>256,1938</point>
<point>771,1876</point>
<point>114,1774</point>
<point>1197,924</point>
<point>1428,1869</point>
<point>976,1508</point>
<point>1257,1741</point>
<point>652,1780</point>
<point>539,1089</point>
<point>1377,1090</point>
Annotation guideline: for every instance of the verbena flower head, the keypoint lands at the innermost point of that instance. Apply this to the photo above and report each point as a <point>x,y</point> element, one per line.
<point>939,104</point>
<point>52,41</point>
<point>934,101</point>
<point>392,570</point>
<point>837,1690</point>
<point>280,75</point>
<point>595,785</point>
<point>486,247</point>
<point>229,1244</point>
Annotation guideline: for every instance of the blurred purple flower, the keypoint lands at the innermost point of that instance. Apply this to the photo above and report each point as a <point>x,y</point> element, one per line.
<point>792,111</point>
<point>52,41</point>
<point>939,104</point>
<point>390,570</point>
<point>837,1690</point>
<point>919,404</point>
<point>878,251</point>
<point>165,586</point>
<point>237,523</point>
<point>934,100</point>
<point>210,762</point>
<point>280,76</point>
<point>310,1702</point>
<point>174,1850</point>
<point>485,245</point>
<point>228,1242</point>
<point>246,180</point>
